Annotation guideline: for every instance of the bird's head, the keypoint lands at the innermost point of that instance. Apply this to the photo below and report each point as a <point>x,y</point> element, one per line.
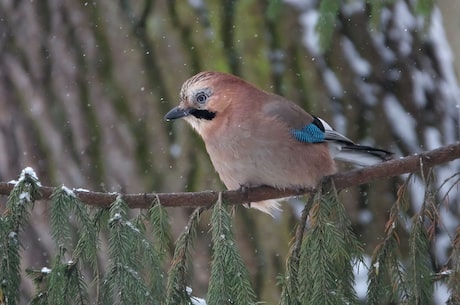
<point>204,99</point>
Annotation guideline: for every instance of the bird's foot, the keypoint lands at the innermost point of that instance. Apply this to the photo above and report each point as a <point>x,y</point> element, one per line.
<point>326,184</point>
<point>244,189</point>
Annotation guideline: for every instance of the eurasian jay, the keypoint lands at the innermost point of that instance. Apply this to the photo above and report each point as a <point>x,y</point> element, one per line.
<point>257,138</point>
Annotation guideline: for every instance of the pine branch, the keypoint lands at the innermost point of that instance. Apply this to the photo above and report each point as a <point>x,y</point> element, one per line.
<point>229,282</point>
<point>161,229</point>
<point>12,221</point>
<point>290,282</point>
<point>176,293</point>
<point>386,274</point>
<point>420,272</point>
<point>342,181</point>
<point>453,281</point>
<point>123,282</point>
<point>328,252</point>
<point>62,204</point>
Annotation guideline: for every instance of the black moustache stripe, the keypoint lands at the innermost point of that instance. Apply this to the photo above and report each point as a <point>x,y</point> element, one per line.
<point>203,114</point>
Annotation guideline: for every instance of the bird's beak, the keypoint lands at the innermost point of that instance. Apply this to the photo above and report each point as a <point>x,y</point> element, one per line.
<point>176,113</point>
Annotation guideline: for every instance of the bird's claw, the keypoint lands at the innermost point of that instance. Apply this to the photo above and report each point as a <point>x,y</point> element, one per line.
<point>245,190</point>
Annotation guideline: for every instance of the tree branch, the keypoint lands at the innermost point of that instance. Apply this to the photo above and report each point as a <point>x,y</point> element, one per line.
<point>344,180</point>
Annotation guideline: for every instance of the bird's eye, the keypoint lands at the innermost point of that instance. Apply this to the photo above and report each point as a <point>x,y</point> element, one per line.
<point>201,98</point>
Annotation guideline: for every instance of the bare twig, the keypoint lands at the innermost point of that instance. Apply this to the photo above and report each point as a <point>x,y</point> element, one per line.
<point>207,198</point>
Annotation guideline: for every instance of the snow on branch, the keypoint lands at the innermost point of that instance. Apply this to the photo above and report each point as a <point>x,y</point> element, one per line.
<point>344,180</point>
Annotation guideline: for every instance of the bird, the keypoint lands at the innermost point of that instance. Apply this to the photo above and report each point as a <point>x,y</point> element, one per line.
<point>257,138</point>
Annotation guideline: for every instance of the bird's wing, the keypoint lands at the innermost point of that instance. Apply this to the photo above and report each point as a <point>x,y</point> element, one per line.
<point>303,126</point>
<point>286,111</point>
<point>307,128</point>
<point>330,134</point>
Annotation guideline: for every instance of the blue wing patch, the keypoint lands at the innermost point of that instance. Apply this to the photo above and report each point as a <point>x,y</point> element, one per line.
<point>311,133</point>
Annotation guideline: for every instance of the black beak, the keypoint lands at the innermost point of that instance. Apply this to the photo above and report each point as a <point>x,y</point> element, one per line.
<point>176,113</point>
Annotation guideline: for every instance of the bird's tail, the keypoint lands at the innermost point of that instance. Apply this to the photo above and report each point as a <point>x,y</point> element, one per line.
<point>270,207</point>
<point>359,154</point>
<point>342,148</point>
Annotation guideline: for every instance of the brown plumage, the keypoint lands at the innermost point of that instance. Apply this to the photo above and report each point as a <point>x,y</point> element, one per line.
<point>249,137</point>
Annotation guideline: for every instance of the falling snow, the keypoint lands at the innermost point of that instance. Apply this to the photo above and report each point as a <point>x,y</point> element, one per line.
<point>45,270</point>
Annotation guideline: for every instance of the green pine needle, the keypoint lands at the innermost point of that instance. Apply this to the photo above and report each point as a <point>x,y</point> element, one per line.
<point>151,257</point>
<point>88,242</point>
<point>176,287</point>
<point>229,282</point>
<point>62,202</point>
<point>290,282</point>
<point>453,281</point>
<point>123,283</point>
<point>161,227</point>
<point>328,254</point>
<point>19,202</point>
<point>420,274</point>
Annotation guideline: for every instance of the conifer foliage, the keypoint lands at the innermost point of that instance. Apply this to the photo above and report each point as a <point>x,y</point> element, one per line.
<point>177,279</point>
<point>11,223</point>
<point>320,266</point>
<point>229,282</point>
<point>327,255</point>
<point>319,270</point>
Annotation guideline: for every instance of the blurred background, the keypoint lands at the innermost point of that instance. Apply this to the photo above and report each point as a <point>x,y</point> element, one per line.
<point>84,86</point>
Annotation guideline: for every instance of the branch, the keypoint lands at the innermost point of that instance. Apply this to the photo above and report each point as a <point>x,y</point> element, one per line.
<point>344,180</point>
